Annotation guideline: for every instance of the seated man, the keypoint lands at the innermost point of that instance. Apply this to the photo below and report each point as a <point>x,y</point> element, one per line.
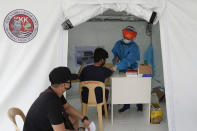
<point>50,111</point>
<point>96,72</point>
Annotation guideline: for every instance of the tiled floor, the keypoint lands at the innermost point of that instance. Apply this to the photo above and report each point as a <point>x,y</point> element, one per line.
<point>130,120</point>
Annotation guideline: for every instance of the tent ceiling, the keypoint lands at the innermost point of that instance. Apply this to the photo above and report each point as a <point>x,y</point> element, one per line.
<point>111,15</point>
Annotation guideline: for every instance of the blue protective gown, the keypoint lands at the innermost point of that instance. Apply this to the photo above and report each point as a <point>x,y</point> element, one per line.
<point>128,55</point>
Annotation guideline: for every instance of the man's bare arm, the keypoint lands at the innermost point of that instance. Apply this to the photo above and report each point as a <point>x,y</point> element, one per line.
<point>60,127</point>
<point>74,113</point>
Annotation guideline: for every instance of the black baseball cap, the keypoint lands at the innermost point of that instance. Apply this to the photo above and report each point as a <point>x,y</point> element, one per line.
<point>61,75</point>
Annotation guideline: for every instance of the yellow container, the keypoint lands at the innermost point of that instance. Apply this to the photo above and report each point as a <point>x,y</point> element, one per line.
<point>156,113</point>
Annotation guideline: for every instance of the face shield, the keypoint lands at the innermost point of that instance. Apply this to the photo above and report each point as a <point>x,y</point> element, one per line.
<point>129,34</point>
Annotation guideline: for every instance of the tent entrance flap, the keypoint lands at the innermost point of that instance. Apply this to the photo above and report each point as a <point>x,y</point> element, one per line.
<point>81,12</point>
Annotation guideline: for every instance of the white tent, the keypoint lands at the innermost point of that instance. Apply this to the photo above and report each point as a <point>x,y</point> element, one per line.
<point>27,56</point>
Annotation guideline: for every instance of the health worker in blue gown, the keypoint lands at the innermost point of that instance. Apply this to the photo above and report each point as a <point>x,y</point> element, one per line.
<point>126,54</point>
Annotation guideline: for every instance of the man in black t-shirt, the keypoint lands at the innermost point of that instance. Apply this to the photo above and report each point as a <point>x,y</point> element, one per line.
<point>50,111</point>
<point>96,72</point>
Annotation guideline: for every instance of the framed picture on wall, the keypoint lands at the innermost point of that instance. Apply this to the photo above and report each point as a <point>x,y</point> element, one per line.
<point>85,54</point>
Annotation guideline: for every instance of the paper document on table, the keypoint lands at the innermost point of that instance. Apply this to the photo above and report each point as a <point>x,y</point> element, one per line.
<point>91,127</point>
<point>131,72</point>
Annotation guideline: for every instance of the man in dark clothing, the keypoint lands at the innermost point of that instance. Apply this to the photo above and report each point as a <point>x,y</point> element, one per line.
<point>51,111</point>
<point>96,72</point>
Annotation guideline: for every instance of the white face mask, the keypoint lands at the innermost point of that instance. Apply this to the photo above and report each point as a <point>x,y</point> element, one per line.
<point>126,41</point>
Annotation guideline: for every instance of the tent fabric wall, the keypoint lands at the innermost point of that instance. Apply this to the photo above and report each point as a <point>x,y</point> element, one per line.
<point>158,80</point>
<point>139,8</point>
<point>25,66</point>
<point>178,28</point>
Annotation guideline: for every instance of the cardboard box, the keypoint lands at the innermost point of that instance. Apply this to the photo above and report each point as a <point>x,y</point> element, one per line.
<point>145,69</point>
<point>156,114</point>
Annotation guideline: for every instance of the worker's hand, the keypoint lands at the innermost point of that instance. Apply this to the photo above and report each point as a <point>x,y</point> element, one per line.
<point>114,68</point>
<point>86,123</point>
<point>116,60</point>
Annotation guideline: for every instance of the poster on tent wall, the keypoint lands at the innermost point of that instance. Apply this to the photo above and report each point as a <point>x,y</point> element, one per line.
<point>85,54</point>
<point>32,44</point>
<point>20,25</point>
